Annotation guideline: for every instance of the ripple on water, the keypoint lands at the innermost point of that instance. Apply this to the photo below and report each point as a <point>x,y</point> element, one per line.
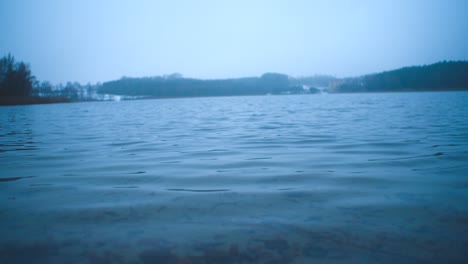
<point>268,179</point>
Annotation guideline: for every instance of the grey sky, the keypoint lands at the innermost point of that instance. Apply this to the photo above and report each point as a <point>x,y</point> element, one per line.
<point>90,40</point>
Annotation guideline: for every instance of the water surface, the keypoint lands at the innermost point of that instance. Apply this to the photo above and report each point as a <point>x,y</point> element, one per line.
<point>286,179</point>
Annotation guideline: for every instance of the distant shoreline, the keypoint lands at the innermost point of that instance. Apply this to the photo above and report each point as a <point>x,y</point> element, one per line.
<point>393,91</point>
<point>16,100</point>
<point>30,100</point>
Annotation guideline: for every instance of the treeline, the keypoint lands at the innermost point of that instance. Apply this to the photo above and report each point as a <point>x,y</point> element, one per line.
<point>19,86</point>
<point>442,76</point>
<point>73,91</point>
<point>15,78</point>
<point>177,86</point>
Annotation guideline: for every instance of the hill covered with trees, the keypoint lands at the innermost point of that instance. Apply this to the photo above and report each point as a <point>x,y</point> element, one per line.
<point>176,86</point>
<point>322,81</point>
<point>442,76</point>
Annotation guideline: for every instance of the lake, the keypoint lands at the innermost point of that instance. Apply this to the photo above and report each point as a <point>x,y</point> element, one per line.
<point>342,178</point>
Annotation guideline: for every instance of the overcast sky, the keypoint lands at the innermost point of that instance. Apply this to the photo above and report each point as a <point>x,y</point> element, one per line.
<point>91,41</point>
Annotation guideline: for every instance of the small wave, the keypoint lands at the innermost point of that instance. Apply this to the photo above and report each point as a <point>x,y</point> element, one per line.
<point>414,157</point>
<point>137,172</point>
<point>14,178</point>
<point>441,168</point>
<point>218,150</point>
<point>260,158</point>
<point>198,190</point>
<point>285,189</point>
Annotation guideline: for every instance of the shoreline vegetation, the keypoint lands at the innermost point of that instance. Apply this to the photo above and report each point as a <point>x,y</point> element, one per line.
<point>441,76</point>
<point>29,100</point>
<point>19,87</point>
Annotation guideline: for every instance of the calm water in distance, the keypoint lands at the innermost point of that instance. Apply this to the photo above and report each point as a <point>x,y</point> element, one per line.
<point>353,178</point>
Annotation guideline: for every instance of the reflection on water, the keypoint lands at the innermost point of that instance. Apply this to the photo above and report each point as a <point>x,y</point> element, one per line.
<point>283,179</point>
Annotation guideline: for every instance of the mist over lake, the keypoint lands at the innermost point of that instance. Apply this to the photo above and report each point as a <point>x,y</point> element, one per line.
<point>342,178</point>
<point>243,132</point>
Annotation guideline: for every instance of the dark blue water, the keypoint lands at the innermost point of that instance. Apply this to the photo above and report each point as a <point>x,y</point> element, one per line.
<point>358,178</point>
